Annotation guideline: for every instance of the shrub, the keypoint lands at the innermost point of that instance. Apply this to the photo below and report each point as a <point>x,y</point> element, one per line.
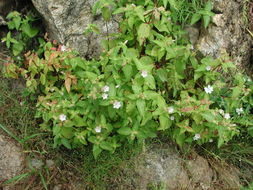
<point>149,81</point>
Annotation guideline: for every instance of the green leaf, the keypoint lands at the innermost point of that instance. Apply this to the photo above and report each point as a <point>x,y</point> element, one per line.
<point>106,146</point>
<point>17,22</point>
<point>208,116</point>
<point>125,131</point>
<point>66,143</point>
<point>206,20</point>
<point>162,74</point>
<point>43,79</point>
<point>165,122</point>
<point>173,4</point>
<point>141,104</point>
<point>96,151</point>
<point>28,30</point>
<point>128,72</point>
<point>165,2</point>
<point>106,13</point>
<point>140,13</point>
<point>195,18</point>
<point>17,48</point>
<point>67,132</point>
<point>150,82</point>
<point>143,32</point>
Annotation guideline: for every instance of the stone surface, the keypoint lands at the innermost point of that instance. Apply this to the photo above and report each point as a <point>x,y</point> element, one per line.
<point>164,166</point>
<point>66,21</point>
<point>11,159</point>
<point>200,172</point>
<point>227,33</point>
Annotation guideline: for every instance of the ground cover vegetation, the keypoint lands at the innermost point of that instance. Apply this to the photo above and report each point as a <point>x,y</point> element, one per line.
<point>148,82</point>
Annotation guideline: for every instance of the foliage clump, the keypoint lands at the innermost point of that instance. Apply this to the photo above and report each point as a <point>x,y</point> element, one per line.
<point>147,81</point>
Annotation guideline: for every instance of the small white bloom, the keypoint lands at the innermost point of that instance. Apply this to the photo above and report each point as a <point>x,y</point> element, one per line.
<point>118,86</point>
<point>239,111</point>
<point>196,137</point>
<point>226,116</point>
<point>170,110</point>
<point>117,105</point>
<point>126,42</point>
<point>63,117</point>
<point>104,96</point>
<point>208,89</point>
<point>221,112</point>
<point>249,80</point>
<point>210,140</point>
<point>172,118</point>
<point>98,129</point>
<point>208,68</point>
<point>106,88</point>
<point>144,74</point>
<point>63,48</point>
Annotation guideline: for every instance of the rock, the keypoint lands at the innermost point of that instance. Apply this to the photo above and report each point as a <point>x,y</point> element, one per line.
<point>193,33</point>
<point>66,21</point>
<point>11,159</point>
<point>50,164</point>
<point>162,166</point>
<point>36,163</point>
<point>200,172</point>
<point>227,33</point>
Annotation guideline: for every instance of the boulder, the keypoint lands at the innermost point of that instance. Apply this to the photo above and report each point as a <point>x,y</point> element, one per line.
<point>164,167</point>
<point>227,33</point>
<point>66,21</point>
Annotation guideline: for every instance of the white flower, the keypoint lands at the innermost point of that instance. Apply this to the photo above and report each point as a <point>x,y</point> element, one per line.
<point>196,137</point>
<point>63,48</point>
<point>208,89</point>
<point>118,86</point>
<point>226,116</point>
<point>106,88</point>
<point>210,140</point>
<point>172,118</point>
<point>63,117</point>
<point>117,105</point>
<point>239,111</point>
<point>170,110</point>
<point>98,129</point>
<point>208,68</point>
<point>221,112</point>
<point>104,96</point>
<point>144,74</point>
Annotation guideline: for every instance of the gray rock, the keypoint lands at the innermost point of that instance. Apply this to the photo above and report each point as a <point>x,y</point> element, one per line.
<point>162,166</point>
<point>227,33</point>
<point>36,163</point>
<point>50,164</point>
<point>11,159</point>
<point>66,21</point>
<point>200,172</point>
